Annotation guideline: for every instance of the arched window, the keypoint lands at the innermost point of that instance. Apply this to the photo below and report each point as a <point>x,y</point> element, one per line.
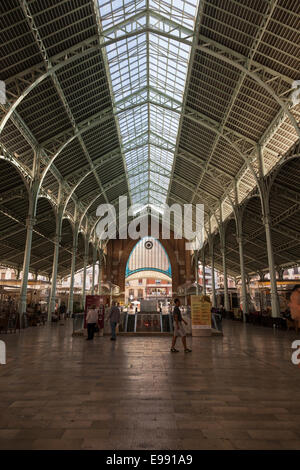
<point>148,255</point>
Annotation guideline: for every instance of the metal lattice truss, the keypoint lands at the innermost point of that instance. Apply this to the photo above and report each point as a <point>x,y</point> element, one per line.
<point>148,68</point>
<point>159,100</point>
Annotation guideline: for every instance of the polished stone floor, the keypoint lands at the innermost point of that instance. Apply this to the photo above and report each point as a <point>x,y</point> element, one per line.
<point>239,391</point>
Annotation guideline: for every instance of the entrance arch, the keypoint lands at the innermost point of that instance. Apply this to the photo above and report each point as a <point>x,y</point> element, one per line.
<point>148,273</point>
<point>118,252</point>
<point>148,255</point>
<point>126,254</point>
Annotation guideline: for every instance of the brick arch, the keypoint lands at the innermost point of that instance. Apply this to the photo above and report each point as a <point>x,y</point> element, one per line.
<point>118,251</point>
<point>125,255</point>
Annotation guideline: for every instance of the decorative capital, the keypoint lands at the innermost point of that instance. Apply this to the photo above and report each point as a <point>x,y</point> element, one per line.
<point>57,239</point>
<point>266,219</point>
<point>239,239</point>
<point>30,221</point>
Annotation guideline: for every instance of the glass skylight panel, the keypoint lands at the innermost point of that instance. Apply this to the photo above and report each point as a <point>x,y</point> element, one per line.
<point>161,157</point>
<point>140,155</point>
<point>128,65</point>
<point>159,179</point>
<point>155,168</point>
<point>114,11</point>
<point>156,198</point>
<point>180,11</point>
<point>139,179</point>
<point>148,73</point>
<point>142,167</point>
<point>164,123</point>
<point>133,122</point>
<point>168,65</point>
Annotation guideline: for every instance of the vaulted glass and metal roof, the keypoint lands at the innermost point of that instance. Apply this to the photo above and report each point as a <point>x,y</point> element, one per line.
<point>148,70</point>
<point>171,101</point>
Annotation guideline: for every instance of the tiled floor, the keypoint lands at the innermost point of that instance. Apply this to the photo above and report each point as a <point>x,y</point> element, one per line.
<point>240,391</point>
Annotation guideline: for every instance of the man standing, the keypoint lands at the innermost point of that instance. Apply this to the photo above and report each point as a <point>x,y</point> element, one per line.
<point>62,311</point>
<point>114,317</point>
<point>91,320</point>
<point>178,328</point>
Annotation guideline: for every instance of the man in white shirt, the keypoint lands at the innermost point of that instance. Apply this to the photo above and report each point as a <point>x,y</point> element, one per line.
<point>91,320</point>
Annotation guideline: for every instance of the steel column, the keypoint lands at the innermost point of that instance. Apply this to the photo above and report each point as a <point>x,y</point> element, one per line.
<point>29,224</point>
<point>213,286</point>
<point>100,272</point>
<point>51,306</point>
<point>226,298</point>
<point>265,188</point>
<point>203,274</point>
<point>85,262</point>
<point>23,291</point>
<point>73,265</point>
<point>94,266</point>
<point>196,271</point>
<point>272,270</point>
<point>244,298</point>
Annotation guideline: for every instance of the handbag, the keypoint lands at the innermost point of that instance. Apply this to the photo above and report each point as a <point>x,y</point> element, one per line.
<point>96,329</point>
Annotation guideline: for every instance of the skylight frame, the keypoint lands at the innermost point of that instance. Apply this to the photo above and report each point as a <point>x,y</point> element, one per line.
<point>137,63</point>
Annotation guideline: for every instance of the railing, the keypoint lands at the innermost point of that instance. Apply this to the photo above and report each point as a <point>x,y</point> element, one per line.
<point>166,323</point>
<point>147,322</point>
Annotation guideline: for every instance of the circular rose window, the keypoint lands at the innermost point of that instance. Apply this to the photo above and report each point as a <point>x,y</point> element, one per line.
<point>148,245</point>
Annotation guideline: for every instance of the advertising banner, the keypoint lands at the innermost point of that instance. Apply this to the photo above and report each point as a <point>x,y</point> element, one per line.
<point>201,316</point>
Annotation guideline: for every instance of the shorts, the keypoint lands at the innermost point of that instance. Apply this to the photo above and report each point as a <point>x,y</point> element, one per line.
<point>180,331</point>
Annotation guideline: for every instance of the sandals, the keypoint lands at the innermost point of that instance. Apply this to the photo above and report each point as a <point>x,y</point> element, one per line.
<point>187,350</point>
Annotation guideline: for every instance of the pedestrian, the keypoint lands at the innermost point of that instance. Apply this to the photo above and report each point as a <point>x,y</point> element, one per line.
<point>114,317</point>
<point>179,328</point>
<point>91,320</point>
<point>62,311</point>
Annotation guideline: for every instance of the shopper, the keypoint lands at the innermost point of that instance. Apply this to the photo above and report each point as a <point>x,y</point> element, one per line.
<point>178,328</point>
<point>62,310</point>
<point>114,317</point>
<point>91,320</point>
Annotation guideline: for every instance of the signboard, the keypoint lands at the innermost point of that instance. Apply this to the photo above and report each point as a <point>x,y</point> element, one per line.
<point>99,301</point>
<point>148,305</point>
<point>201,315</point>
